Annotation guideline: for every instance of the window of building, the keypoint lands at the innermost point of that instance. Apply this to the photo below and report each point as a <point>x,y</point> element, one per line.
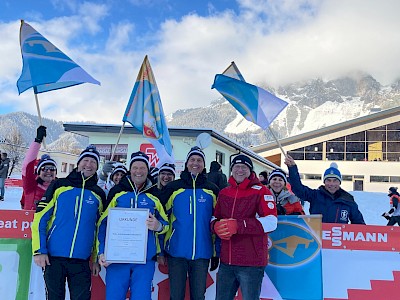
<point>335,156</point>
<point>394,126</point>
<point>359,136</point>
<point>355,147</point>
<point>220,157</point>
<point>314,156</point>
<point>335,146</point>
<point>394,178</point>
<point>71,167</point>
<point>376,136</point>
<point>64,167</point>
<point>355,156</point>
<point>313,176</point>
<point>379,179</point>
<point>296,155</point>
<point>347,178</point>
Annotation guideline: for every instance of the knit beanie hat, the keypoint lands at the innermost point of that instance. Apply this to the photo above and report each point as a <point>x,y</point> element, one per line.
<point>277,173</point>
<point>264,174</point>
<point>242,159</point>
<point>45,160</point>
<point>153,172</point>
<point>167,167</point>
<point>139,156</point>
<point>90,151</point>
<point>196,151</point>
<point>333,172</point>
<point>118,167</point>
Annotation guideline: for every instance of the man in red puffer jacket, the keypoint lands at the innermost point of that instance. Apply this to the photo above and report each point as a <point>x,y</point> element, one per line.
<point>244,214</point>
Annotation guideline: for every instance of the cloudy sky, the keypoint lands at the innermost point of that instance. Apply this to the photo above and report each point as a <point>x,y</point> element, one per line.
<point>272,42</point>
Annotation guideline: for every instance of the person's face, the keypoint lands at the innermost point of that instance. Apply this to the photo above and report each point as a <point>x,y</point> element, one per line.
<point>261,177</point>
<point>88,166</point>
<point>117,177</point>
<point>48,173</point>
<point>277,183</point>
<point>195,164</point>
<point>139,172</point>
<point>240,172</point>
<point>332,185</point>
<point>164,177</point>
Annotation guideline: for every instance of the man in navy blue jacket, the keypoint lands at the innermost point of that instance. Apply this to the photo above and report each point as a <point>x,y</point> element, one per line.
<point>330,200</point>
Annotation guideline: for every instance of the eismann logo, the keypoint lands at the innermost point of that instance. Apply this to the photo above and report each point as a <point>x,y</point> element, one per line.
<point>292,245</point>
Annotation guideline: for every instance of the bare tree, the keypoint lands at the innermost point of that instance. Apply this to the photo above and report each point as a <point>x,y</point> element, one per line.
<point>15,148</point>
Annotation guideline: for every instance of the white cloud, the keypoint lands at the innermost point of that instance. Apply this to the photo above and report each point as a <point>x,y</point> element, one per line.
<point>273,42</point>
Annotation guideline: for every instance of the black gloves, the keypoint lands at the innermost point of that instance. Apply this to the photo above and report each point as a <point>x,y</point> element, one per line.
<point>391,211</point>
<point>280,210</point>
<point>386,216</point>
<point>40,134</point>
<point>107,169</point>
<point>214,263</point>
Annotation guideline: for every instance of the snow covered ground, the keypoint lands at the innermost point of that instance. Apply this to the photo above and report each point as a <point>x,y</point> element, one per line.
<point>372,205</point>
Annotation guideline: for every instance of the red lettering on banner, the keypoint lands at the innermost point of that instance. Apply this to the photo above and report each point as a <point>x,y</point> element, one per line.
<point>150,152</point>
<point>360,237</point>
<point>16,223</point>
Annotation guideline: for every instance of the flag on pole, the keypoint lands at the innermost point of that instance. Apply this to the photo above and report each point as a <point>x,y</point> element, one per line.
<point>254,103</point>
<point>145,112</point>
<point>45,67</point>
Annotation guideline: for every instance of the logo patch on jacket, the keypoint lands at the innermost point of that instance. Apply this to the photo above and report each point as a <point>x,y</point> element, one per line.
<point>143,202</point>
<point>201,199</point>
<point>89,200</point>
<point>256,187</point>
<point>271,205</point>
<point>269,198</point>
<point>344,215</point>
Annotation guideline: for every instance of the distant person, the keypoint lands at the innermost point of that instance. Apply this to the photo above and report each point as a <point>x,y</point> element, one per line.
<point>110,175</point>
<point>263,177</point>
<point>134,191</point>
<point>330,200</point>
<point>287,203</point>
<point>393,215</point>
<point>64,229</point>
<point>36,178</point>
<point>216,176</point>
<point>245,213</point>
<point>166,174</point>
<point>189,242</point>
<point>4,166</point>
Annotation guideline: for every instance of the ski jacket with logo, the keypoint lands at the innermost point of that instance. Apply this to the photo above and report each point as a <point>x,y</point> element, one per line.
<point>125,195</point>
<point>339,207</point>
<point>33,186</point>
<point>190,204</point>
<point>253,206</point>
<point>65,221</point>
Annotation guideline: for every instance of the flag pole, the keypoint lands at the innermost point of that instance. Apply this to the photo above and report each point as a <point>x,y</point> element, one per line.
<point>119,136</point>
<point>40,118</point>
<point>277,141</point>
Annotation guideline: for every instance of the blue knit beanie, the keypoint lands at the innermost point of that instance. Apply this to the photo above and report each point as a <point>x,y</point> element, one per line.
<point>333,172</point>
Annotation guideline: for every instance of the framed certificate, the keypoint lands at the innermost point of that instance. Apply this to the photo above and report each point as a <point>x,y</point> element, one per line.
<point>126,236</point>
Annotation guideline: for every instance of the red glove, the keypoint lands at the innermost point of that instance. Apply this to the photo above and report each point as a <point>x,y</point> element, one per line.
<point>225,228</point>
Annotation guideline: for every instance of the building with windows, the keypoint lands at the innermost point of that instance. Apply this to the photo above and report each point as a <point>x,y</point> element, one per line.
<point>216,146</point>
<point>366,150</point>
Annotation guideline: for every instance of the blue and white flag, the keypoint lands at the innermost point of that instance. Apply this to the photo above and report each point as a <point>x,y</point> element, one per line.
<point>254,103</point>
<point>45,67</point>
<point>145,112</point>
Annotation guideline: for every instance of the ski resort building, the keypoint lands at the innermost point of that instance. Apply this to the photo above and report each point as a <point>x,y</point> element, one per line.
<point>366,150</point>
<point>216,146</point>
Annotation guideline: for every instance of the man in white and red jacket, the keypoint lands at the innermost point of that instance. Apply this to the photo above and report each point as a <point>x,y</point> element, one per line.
<point>244,214</point>
<point>36,177</point>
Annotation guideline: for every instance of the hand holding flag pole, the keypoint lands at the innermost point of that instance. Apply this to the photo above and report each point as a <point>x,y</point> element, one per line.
<point>254,103</point>
<point>45,67</point>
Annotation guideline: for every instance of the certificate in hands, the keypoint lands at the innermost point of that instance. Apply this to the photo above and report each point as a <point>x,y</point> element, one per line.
<point>126,236</point>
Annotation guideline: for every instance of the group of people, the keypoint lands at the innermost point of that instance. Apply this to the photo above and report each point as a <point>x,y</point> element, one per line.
<point>196,223</point>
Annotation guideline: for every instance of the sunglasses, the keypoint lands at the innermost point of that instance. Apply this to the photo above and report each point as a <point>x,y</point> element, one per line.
<point>45,168</point>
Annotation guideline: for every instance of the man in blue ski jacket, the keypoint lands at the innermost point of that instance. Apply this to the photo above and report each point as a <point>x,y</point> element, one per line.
<point>330,200</point>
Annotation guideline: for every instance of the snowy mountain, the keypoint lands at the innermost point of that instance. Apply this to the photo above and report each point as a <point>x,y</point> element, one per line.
<point>25,124</point>
<point>313,104</point>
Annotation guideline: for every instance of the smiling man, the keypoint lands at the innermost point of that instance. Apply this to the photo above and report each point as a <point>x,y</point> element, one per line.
<point>64,228</point>
<point>330,200</point>
<point>190,202</point>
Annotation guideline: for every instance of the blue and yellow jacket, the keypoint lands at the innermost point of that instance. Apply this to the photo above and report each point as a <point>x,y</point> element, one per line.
<point>125,195</point>
<point>65,221</point>
<point>190,202</point>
